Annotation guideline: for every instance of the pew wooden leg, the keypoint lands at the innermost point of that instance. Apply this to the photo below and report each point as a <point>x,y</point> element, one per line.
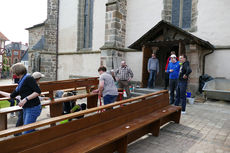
<point>56,109</point>
<point>155,128</point>
<point>176,116</point>
<point>92,101</point>
<point>122,145</point>
<point>3,123</point>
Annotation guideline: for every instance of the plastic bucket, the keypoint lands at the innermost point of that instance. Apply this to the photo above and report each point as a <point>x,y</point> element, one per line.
<point>191,100</point>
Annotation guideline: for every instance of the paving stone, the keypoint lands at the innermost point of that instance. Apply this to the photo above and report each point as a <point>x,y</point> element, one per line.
<point>204,129</point>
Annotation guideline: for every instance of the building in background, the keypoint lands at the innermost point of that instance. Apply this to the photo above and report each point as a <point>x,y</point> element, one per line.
<point>3,39</point>
<point>81,35</point>
<point>16,52</point>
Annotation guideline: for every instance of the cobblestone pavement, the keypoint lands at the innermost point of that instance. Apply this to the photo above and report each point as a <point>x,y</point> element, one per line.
<point>5,81</point>
<point>204,129</point>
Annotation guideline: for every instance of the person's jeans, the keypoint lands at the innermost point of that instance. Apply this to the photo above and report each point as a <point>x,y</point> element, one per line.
<point>30,115</point>
<point>108,99</point>
<point>125,84</point>
<point>12,102</point>
<point>151,80</point>
<point>166,80</point>
<point>19,122</point>
<point>181,94</point>
<point>172,88</point>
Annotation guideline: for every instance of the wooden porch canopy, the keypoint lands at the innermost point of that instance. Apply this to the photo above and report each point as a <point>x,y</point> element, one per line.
<point>165,33</point>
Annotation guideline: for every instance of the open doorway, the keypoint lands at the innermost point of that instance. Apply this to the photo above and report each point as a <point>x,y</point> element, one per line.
<point>162,54</point>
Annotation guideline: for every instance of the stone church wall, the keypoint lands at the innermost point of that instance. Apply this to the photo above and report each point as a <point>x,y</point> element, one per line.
<point>78,65</point>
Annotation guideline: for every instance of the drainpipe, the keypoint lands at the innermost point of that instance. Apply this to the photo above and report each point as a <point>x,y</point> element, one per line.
<point>204,60</point>
<point>56,78</point>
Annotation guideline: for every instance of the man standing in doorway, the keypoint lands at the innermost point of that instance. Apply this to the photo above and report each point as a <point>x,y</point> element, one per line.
<point>153,69</point>
<point>185,70</point>
<point>123,75</point>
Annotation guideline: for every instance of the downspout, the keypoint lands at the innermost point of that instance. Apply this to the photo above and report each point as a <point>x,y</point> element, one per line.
<point>203,67</point>
<point>56,76</point>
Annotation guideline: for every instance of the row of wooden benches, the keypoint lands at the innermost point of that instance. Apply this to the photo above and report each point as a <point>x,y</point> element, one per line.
<point>48,88</point>
<point>102,132</point>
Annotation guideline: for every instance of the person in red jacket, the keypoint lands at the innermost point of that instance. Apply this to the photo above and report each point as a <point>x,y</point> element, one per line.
<point>15,78</point>
<point>166,67</point>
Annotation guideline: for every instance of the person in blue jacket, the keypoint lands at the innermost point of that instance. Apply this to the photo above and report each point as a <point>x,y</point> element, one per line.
<point>173,70</point>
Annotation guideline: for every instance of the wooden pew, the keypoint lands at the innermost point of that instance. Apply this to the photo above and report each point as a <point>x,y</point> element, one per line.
<point>5,111</point>
<point>56,109</point>
<point>103,132</point>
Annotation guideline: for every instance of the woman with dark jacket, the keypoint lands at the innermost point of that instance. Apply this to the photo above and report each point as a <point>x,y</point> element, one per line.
<point>29,91</point>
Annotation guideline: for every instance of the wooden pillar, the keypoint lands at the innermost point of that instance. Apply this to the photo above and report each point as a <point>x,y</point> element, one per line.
<point>147,53</point>
<point>3,121</point>
<point>56,109</point>
<point>92,101</point>
<point>179,52</point>
<point>181,48</point>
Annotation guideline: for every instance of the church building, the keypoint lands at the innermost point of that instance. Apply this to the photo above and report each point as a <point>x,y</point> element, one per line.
<point>80,35</point>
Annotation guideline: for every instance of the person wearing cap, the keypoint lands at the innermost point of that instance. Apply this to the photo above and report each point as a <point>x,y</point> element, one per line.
<point>29,91</point>
<point>173,70</point>
<point>166,67</point>
<point>37,76</point>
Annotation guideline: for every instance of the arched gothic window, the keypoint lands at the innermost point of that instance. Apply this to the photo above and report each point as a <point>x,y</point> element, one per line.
<point>85,24</point>
<point>181,13</point>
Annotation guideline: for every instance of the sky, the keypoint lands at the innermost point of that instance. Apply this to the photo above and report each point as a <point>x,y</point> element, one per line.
<point>17,15</point>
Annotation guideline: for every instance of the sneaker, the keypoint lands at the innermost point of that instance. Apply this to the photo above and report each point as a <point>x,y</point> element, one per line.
<point>183,112</point>
<point>12,115</point>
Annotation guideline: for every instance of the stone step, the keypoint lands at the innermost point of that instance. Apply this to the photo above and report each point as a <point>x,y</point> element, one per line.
<point>146,90</point>
<point>136,94</point>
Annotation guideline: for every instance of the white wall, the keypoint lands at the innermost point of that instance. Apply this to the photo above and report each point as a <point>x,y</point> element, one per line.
<point>68,17</point>
<point>141,17</point>
<point>217,64</point>
<point>134,61</point>
<point>79,64</point>
<point>99,23</point>
<point>214,21</point>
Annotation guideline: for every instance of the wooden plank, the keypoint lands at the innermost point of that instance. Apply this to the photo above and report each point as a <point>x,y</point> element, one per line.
<point>10,109</point>
<point>3,123</point>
